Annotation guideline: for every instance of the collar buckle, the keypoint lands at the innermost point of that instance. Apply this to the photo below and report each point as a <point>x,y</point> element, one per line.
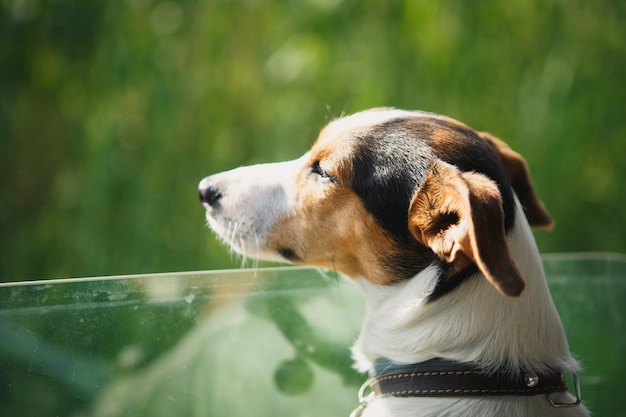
<point>364,399</point>
<point>576,401</point>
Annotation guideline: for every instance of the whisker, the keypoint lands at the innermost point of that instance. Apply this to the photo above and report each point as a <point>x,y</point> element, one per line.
<point>336,278</point>
<point>237,237</point>
<point>230,232</point>
<point>255,262</point>
<point>331,280</point>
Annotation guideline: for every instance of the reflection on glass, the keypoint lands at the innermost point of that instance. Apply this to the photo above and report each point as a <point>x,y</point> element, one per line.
<point>266,342</point>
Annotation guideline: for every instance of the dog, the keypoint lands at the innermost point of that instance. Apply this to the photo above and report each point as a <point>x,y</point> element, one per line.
<point>433,220</point>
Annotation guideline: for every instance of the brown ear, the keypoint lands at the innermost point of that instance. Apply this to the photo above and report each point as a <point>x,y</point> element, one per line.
<point>459,217</point>
<point>519,176</point>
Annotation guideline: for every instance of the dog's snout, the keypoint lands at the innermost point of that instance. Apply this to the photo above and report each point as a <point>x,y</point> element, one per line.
<point>208,193</point>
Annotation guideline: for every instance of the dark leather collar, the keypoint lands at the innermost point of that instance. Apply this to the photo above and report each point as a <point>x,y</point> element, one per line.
<point>441,378</point>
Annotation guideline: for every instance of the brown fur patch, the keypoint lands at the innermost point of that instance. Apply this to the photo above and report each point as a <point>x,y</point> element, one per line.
<point>328,225</point>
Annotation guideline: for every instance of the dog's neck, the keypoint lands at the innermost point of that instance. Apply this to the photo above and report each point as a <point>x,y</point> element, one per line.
<point>473,323</point>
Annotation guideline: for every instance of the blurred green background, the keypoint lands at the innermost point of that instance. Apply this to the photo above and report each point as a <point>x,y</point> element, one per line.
<point>111,112</point>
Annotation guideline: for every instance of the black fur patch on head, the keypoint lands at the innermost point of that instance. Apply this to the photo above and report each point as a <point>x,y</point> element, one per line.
<point>389,163</point>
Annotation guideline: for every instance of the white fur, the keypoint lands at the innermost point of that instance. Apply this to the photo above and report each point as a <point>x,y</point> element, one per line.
<point>474,323</point>
<point>372,117</point>
<point>254,197</point>
<point>534,406</point>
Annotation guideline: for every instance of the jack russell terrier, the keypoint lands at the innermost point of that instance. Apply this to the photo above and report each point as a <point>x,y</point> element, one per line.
<point>432,219</point>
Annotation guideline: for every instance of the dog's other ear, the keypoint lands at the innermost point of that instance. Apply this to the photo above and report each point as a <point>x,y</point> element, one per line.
<point>459,216</point>
<point>519,176</point>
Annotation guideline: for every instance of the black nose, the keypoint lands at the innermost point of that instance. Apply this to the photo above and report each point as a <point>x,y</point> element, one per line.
<point>209,195</point>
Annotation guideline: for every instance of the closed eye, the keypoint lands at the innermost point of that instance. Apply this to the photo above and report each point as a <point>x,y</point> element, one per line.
<point>318,170</point>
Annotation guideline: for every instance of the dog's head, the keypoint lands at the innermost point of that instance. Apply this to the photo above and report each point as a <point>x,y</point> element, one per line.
<point>383,194</point>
